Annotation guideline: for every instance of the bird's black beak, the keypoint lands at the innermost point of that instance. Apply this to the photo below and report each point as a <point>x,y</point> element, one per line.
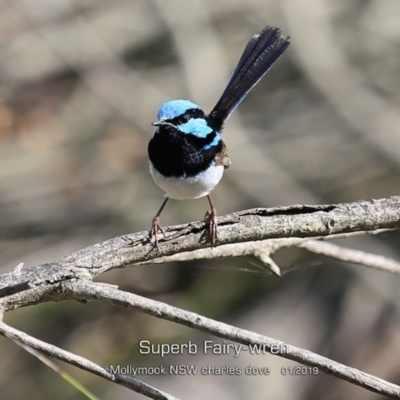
<point>161,122</point>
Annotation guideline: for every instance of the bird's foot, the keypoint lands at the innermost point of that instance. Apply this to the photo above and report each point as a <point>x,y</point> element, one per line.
<point>155,228</point>
<point>211,215</point>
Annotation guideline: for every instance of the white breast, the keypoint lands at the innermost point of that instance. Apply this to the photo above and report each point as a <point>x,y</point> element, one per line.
<point>188,187</point>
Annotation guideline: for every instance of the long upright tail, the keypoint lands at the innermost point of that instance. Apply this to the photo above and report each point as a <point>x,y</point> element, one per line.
<point>258,57</point>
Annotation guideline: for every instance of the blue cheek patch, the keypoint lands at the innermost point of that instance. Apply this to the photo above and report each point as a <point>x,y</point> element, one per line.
<point>174,108</point>
<point>200,128</point>
<point>197,127</point>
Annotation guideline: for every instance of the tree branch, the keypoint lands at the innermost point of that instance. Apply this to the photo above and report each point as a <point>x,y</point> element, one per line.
<point>299,221</point>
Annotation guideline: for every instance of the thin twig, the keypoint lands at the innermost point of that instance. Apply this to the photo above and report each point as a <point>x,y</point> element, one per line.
<point>262,251</point>
<point>83,363</point>
<point>352,256</point>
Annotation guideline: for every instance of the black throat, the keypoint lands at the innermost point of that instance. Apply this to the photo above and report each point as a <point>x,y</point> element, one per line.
<point>178,154</point>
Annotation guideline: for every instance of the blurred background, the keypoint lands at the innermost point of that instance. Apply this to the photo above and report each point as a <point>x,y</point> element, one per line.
<point>81,82</point>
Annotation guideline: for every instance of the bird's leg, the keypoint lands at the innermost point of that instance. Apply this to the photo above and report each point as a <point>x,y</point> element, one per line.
<point>212,217</point>
<point>156,224</point>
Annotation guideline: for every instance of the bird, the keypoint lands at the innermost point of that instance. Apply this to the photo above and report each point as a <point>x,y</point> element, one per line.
<point>187,156</point>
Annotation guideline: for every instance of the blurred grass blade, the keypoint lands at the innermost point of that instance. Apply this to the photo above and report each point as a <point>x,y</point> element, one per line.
<point>56,368</point>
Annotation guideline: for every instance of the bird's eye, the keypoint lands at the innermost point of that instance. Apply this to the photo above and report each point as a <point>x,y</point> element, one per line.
<point>184,118</point>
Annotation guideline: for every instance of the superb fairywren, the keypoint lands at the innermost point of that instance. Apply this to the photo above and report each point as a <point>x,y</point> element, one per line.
<point>186,154</point>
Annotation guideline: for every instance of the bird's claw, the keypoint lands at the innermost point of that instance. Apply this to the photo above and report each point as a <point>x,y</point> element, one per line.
<point>212,218</point>
<point>155,228</point>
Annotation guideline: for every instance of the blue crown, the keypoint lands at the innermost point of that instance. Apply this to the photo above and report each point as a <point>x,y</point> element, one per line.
<point>175,108</point>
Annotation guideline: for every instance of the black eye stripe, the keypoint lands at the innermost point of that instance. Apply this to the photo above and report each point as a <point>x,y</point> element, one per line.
<point>191,113</point>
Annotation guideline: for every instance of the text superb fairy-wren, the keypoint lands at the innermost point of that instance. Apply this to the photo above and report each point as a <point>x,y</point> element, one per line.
<point>186,154</point>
